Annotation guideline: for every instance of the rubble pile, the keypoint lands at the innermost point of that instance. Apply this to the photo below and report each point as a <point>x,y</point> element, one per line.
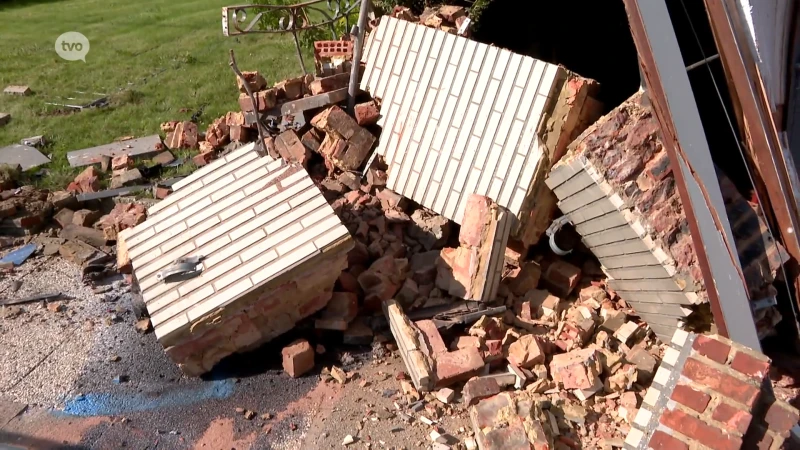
<point>450,18</point>
<point>373,222</point>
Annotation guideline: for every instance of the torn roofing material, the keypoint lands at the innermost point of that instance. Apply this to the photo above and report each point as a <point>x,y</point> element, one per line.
<point>252,217</point>
<point>458,117</point>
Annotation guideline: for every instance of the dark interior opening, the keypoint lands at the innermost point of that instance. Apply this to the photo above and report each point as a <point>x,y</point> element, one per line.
<point>714,103</point>
<point>589,37</point>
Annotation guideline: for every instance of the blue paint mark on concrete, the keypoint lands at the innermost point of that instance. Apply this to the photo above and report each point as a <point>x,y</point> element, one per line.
<point>109,404</point>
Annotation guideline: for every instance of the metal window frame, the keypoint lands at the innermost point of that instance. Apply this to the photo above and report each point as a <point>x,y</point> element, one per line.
<point>684,140</point>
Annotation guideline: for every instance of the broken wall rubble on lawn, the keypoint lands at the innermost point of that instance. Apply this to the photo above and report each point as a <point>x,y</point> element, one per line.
<point>272,248</point>
<point>460,117</point>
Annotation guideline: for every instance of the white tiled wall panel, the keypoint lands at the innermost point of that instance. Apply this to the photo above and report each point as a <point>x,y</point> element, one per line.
<point>252,217</point>
<point>458,117</point>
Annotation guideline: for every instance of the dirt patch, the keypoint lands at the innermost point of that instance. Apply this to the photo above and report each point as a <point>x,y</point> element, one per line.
<point>221,434</point>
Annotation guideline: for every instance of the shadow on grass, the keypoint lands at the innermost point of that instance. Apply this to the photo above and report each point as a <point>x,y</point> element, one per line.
<point>11,4</point>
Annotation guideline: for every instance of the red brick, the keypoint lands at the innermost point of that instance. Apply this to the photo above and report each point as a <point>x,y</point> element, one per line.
<point>348,282</point>
<point>528,352</point>
<point>88,180</point>
<point>298,358</point>
<point>663,441</point>
<point>432,336</point>
<point>735,419</point>
<point>217,133</point>
<point>561,278</point>
<point>698,430</point>
<point>367,113</point>
<point>712,349</point>
<point>494,350</point>
<point>331,83</point>
<point>781,417</point>
<point>291,149</point>
<point>162,192</point>
<point>577,369</point>
<point>203,158</point>
<point>328,49</point>
<point>255,81</point>
<point>525,279</point>
<point>691,398</point>
<point>726,385</point>
<point>458,366</point>
<point>122,162</point>
<point>750,366</point>
<point>239,133</point>
<point>478,389</point>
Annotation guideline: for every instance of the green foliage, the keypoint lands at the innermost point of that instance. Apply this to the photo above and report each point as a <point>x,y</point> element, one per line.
<point>477,10</point>
<point>278,20</point>
<point>158,61</point>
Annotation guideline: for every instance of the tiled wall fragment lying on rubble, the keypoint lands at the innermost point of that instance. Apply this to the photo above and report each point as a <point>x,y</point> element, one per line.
<point>710,392</point>
<point>460,117</point>
<point>616,186</point>
<point>273,249</point>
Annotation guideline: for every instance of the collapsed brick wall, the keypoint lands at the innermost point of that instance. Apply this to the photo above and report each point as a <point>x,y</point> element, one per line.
<point>260,316</point>
<point>616,186</point>
<point>272,251</point>
<point>711,392</point>
<point>489,122</point>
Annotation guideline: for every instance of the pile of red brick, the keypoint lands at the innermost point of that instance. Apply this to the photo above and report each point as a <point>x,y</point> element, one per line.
<point>450,18</point>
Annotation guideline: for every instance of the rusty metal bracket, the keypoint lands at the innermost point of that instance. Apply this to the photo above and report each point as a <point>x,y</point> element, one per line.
<point>293,19</point>
<point>261,148</point>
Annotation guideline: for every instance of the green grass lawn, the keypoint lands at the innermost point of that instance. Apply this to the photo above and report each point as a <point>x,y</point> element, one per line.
<point>154,57</point>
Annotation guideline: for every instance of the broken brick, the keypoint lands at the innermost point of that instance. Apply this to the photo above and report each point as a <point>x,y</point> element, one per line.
<point>126,178</point>
<point>526,352</point>
<point>291,89</point>
<point>298,358</point>
<point>217,133</point>
<point>312,139</point>
<point>341,310</point>
<point>367,113</point>
<point>577,369</point>
<point>331,83</point>
<point>432,337</point>
<point>255,81</point>
<point>63,217</point>
<point>202,159</point>
<point>335,120</point>
<point>184,136</point>
<point>239,133</point>
<point>460,365</point>
<point>86,217</point>
<point>122,162</point>
<point>472,271</point>
<point>87,181</point>
<point>451,13</point>
<point>291,149</point>
<point>525,279</point>
<point>265,100</point>
<point>561,278</point>
<point>479,388</point>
